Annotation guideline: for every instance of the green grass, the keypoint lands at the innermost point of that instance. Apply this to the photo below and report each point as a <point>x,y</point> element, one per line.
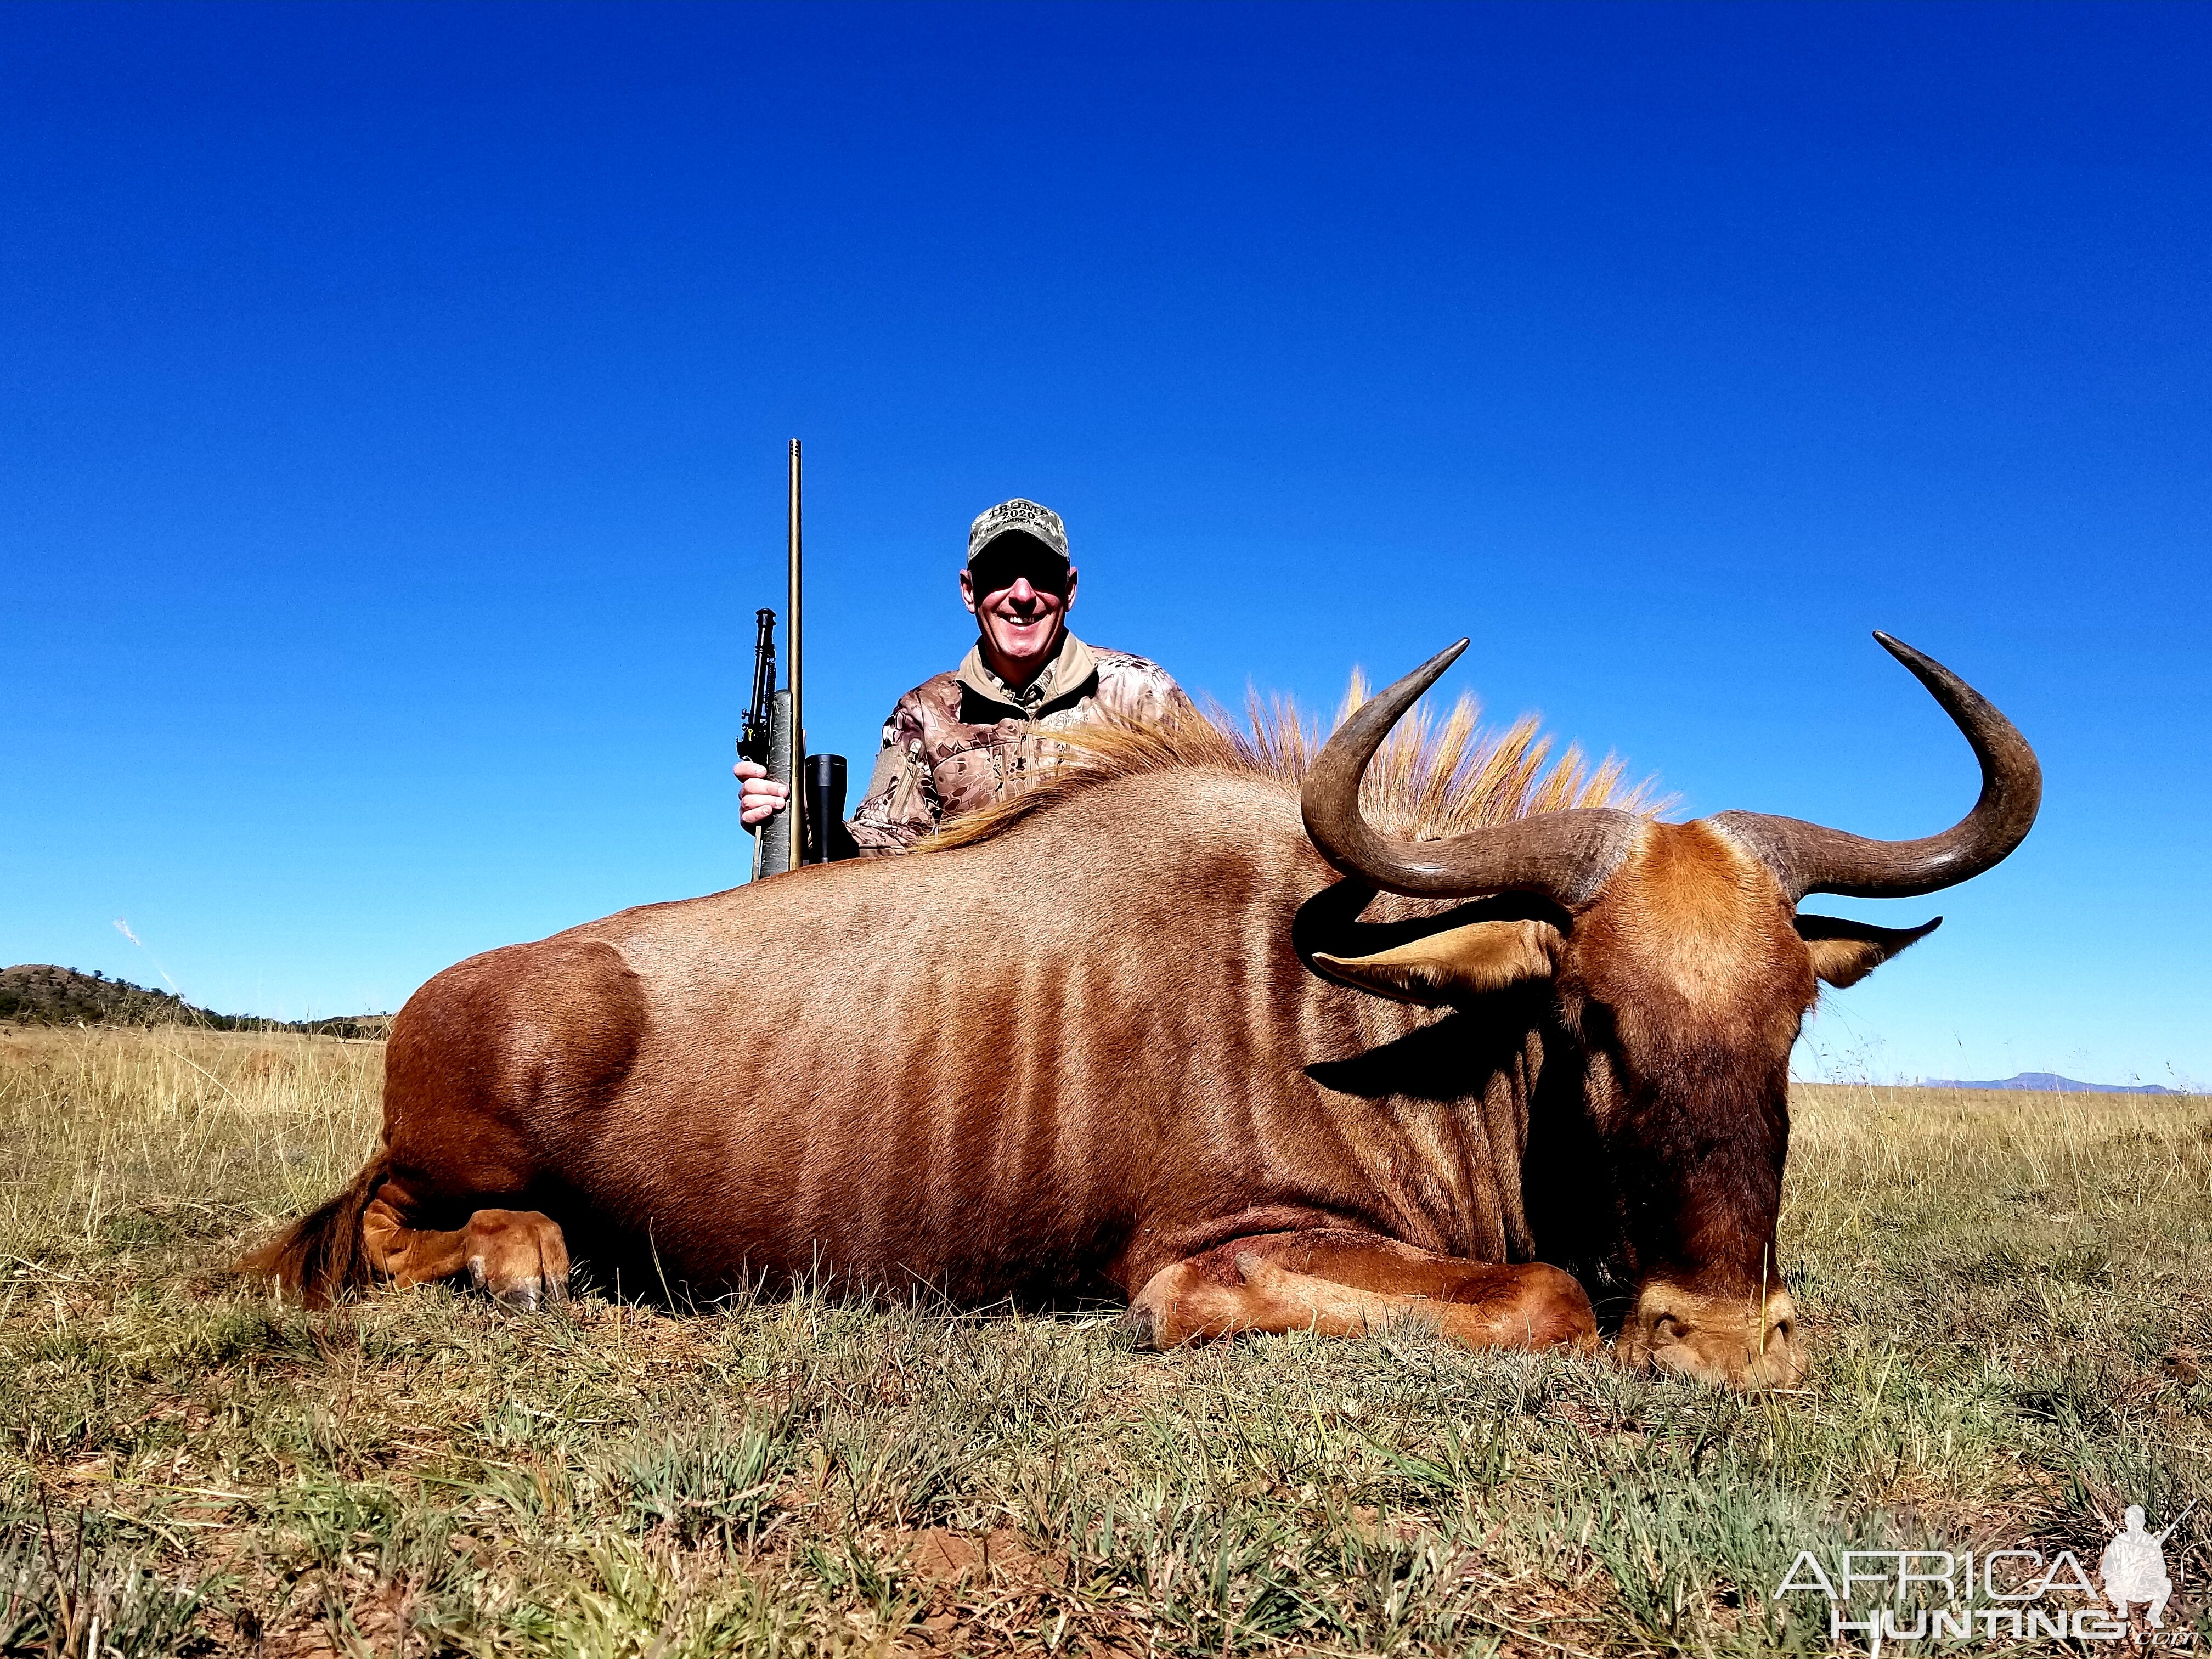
<point>2003,1292</point>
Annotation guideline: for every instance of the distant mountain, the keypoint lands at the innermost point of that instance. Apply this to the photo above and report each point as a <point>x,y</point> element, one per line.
<point>37,993</point>
<point>2051,1083</point>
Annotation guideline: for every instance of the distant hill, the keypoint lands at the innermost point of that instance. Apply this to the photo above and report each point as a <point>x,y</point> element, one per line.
<point>37,993</point>
<point>2051,1083</point>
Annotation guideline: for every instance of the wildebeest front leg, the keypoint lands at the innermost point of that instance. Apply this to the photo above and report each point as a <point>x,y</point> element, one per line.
<point>1346,1282</point>
<point>517,1255</point>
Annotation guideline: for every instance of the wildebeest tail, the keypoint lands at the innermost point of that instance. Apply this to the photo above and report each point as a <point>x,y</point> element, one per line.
<point>321,1257</point>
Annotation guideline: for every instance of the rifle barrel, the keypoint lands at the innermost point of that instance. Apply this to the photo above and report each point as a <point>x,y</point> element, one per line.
<point>797,734</point>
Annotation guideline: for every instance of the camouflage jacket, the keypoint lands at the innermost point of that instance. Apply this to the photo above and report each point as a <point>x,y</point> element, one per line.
<point>961,741</point>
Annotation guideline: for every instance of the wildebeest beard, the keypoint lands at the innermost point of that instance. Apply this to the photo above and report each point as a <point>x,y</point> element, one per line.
<point>1505,1064</point>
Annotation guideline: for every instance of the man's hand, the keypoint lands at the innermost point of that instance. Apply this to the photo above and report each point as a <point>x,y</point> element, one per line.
<point>760,799</point>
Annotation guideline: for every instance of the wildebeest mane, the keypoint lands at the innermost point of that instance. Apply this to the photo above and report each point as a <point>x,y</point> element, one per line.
<point>1433,777</point>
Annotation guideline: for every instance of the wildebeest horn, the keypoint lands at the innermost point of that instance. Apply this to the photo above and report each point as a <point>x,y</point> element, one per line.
<point>1563,855</point>
<point>1810,858</point>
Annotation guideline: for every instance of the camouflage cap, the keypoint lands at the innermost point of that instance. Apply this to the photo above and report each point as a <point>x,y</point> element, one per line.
<point>1018,515</point>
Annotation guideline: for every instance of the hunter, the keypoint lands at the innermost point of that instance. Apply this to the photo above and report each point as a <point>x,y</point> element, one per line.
<point>960,741</point>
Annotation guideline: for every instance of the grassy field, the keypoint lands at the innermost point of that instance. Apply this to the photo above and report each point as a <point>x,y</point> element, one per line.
<point>2007,1294</point>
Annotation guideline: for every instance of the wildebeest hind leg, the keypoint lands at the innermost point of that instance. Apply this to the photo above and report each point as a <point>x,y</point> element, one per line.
<point>517,1255</point>
<point>1348,1283</point>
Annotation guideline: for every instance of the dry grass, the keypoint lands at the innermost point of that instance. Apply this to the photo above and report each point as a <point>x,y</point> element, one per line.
<point>2005,1292</point>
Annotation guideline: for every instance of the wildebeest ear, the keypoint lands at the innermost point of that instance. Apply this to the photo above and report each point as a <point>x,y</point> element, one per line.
<point>1482,955</point>
<point>1845,952</point>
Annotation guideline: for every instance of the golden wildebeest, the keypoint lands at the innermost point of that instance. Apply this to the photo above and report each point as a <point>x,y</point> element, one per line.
<point>1140,1031</point>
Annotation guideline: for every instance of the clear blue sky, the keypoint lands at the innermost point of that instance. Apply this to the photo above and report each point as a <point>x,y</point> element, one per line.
<point>392,405</point>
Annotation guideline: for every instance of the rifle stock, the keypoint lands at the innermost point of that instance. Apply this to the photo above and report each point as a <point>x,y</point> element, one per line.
<point>772,844</point>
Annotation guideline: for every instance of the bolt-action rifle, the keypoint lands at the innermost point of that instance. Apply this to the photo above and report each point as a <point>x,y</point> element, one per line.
<point>773,737</point>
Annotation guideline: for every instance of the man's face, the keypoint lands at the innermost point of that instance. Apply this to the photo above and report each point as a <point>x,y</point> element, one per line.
<point>1020,591</point>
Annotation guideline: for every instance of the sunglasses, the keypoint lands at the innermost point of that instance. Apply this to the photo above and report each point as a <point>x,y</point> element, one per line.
<point>999,567</point>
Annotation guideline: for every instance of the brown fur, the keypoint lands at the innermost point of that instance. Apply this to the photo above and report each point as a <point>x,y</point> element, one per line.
<point>1691,954</point>
<point>1724,1338</point>
<point>512,1035</point>
<point>1340,1283</point>
<point>321,1257</point>
<point>518,1255</point>
<point>1087,1041</point>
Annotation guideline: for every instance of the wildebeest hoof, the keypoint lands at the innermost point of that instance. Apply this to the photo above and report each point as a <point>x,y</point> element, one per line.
<point>516,1292</point>
<point>518,1257</point>
<point>1732,1341</point>
<point>1142,1325</point>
